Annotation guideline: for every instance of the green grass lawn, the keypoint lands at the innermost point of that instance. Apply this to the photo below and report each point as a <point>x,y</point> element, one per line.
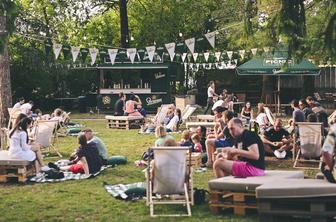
<point>86,200</point>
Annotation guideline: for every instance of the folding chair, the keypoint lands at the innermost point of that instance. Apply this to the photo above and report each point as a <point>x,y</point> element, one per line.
<point>46,135</point>
<point>307,146</point>
<point>332,116</point>
<point>270,115</point>
<point>187,112</point>
<point>161,115</point>
<point>13,114</point>
<point>170,176</point>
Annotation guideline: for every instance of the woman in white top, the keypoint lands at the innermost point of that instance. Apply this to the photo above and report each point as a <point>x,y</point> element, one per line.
<point>211,94</point>
<point>174,122</point>
<point>19,148</point>
<point>262,118</point>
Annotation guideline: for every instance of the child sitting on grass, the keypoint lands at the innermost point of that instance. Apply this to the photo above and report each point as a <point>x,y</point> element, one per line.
<point>196,139</point>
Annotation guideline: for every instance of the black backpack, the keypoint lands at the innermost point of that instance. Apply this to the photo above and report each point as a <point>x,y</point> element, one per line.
<point>200,195</point>
<point>54,174</point>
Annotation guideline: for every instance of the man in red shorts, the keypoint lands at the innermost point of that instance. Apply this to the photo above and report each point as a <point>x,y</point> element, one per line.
<point>248,150</point>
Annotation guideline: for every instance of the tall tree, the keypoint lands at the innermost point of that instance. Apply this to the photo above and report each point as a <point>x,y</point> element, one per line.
<point>7,16</point>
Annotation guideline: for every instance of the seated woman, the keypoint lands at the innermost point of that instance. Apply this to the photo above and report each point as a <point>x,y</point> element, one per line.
<point>19,147</point>
<point>173,124</point>
<point>87,159</point>
<point>247,113</point>
<point>161,135</point>
<point>169,115</point>
<point>130,105</point>
<point>248,150</point>
<point>139,107</point>
<point>222,137</point>
<point>262,118</point>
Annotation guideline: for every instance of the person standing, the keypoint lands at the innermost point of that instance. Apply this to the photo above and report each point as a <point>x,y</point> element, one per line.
<point>27,108</point>
<point>211,95</point>
<point>19,103</point>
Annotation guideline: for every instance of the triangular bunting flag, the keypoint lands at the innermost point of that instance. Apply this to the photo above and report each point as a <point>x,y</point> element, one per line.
<point>254,51</point>
<point>93,53</point>
<point>171,50</point>
<point>190,44</point>
<point>195,55</point>
<point>211,36</point>
<point>75,53</point>
<point>113,54</point>
<point>184,56</point>
<point>204,65</point>
<point>57,49</point>
<point>151,52</point>
<point>266,49</point>
<point>217,55</point>
<point>242,53</point>
<point>206,56</point>
<point>229,54</point>
<point>132,53</point>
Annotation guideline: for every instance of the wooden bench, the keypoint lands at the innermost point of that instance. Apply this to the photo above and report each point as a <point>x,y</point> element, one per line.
<point>124,122</point>
<point>205,118</point>
<point>196,124</point>
<point>14,169</point>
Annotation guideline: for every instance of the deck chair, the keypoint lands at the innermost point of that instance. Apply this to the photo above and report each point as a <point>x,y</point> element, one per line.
<point>307,146</point>
<point>270,115</point>
<point>170,176</point>
<point>46,135</point>
<point>162,114</point>
<point>332,117</point>
<point>187,112</point>
<point>13,114</point>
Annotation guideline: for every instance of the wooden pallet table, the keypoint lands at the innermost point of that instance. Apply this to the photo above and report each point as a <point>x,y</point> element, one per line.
<point>124,122</point>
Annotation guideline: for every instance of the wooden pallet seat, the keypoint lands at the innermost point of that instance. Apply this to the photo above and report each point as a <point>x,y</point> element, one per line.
<point>124,122</point>
<point>299,199</point>
<point>14,169</point>
<point>239,193</point>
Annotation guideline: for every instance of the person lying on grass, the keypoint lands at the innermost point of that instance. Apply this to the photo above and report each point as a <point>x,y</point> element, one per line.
<point>249,151</point>
<point>87,159</point>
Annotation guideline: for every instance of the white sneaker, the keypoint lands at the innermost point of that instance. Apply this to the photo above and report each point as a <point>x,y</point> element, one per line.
<point>277,154</point>
<point>45,168</point>
<point>283,154</point>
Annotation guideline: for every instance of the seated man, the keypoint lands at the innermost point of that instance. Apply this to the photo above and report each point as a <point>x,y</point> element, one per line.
<point>97,141</point>
<point>328,153</point>
<point>249,151</point>
<point>222,136</point>
<point>119,106</point>
<point>276,140</point>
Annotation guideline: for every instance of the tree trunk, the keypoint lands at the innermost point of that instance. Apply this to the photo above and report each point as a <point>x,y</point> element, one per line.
<point>5,85</point>
<point>267,89</point>
<point>124,24</point>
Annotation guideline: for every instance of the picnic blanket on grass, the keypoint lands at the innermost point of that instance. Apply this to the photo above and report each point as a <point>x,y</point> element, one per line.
<point>67,175</point>
<point>131,191</point>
